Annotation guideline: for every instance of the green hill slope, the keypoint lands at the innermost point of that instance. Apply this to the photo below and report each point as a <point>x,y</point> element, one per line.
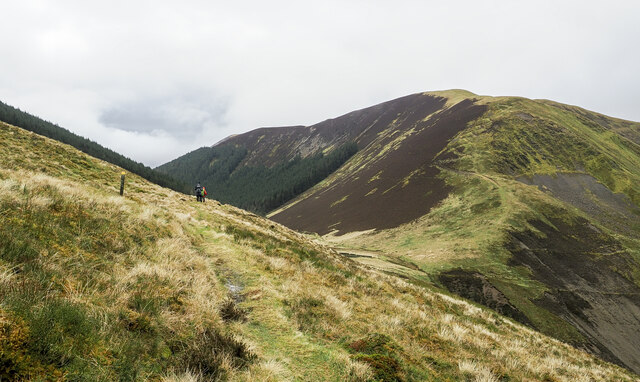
<point>154,286</point>
<point>541,209</point>
<point>29,122</point>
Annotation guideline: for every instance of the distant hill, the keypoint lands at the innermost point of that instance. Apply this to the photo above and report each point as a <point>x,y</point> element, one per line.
<point>231,167</point>
<point>530,207</point>
<point>17,117</point>
<point>230,177</point>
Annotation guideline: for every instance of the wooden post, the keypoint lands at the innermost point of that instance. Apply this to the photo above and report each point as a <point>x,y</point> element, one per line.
<point>122,183</point>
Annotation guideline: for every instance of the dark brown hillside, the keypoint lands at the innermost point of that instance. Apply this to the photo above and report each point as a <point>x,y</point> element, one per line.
<point>263,169</point>
<point>270,146</point>
<point>399,182</point>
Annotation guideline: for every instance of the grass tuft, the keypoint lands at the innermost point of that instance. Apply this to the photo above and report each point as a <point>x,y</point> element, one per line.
<point>230,311</point>
<point>212,354</point>
<point>381,354</point>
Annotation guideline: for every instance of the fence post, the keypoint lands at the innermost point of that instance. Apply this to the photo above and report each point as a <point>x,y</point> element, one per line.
<point>122,183</point>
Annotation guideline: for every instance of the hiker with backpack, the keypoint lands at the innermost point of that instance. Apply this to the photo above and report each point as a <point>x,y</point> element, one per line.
<point>198,190</point>
<point>201,192</point>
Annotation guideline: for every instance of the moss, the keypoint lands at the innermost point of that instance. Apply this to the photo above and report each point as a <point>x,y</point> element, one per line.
<point>309,313</point>
<point>16,362</point>
<point>62,333</point>
<point>375,343</point>
<point>137,322</point>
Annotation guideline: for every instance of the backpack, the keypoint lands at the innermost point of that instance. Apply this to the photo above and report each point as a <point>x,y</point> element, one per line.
<point>199,192</point>
<point>204,191</point>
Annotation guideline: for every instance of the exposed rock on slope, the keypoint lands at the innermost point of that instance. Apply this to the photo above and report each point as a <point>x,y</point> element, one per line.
<point>475,286</point>
<point>593,198</point>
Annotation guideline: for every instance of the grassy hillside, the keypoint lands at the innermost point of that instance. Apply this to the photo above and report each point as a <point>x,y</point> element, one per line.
<point>37,125</point>
<point>153,286</point>
<point>543,211</point>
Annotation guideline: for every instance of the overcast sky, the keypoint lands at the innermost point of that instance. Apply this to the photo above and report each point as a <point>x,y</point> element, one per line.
<point>156,79</point>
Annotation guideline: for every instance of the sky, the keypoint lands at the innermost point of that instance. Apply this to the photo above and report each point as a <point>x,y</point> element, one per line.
<point>154,80</point>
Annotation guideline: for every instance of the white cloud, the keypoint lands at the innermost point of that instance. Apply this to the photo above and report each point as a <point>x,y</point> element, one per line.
<point>153,79</point>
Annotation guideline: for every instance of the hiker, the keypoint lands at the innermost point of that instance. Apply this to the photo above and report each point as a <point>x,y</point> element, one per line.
<point>198,190</point>
<point>204,193</point>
